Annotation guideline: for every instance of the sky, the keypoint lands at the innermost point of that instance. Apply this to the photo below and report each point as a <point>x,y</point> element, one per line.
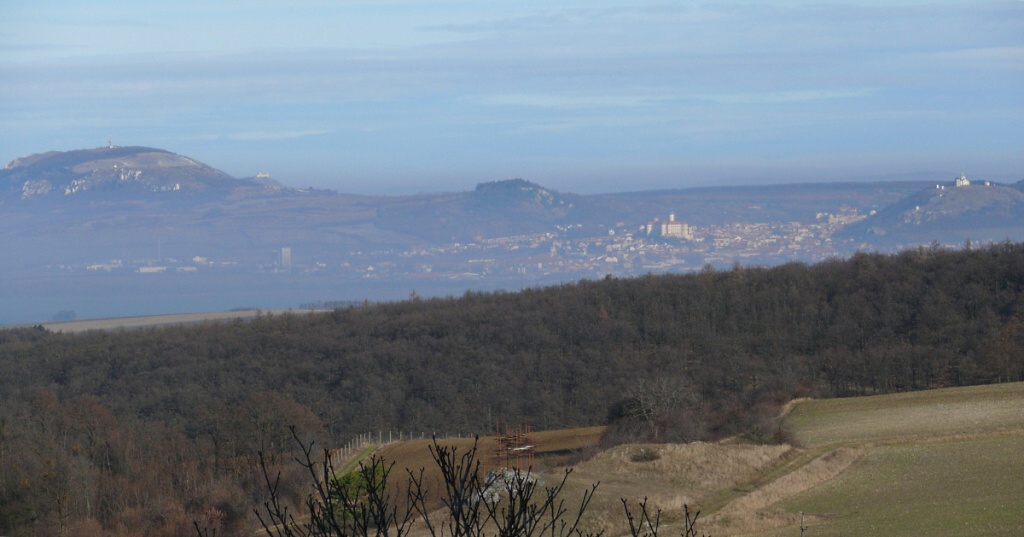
<point>408,96</point>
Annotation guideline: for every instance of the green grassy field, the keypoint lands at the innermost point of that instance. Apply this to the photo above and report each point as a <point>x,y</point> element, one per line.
<point>909,416</point>
<point>967,487</point>
<point>936,463</point>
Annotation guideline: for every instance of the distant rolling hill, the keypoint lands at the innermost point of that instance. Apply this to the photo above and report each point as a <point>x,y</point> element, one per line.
<point>109,195</point>
<point>110,173</point>
<point>493,209</point>
<point>119,188</point>
<point>115,202</point>
<point>516,206</point>
<point>69,217</point>
<point>88,205</point>
<point>955,214</point>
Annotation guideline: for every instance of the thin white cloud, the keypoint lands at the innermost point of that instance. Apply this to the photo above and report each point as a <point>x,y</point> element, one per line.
<point>568,102</point>
<point>462,77</point>
<point>274,135</point>
<point>576,102</point>
<point>261,135</point>
<point>785,97</point>
<point>1008,57</point>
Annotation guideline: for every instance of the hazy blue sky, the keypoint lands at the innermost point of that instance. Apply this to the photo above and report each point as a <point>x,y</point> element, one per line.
<point>595,96</point>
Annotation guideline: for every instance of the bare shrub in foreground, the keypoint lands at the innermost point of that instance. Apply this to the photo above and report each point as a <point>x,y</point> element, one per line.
<point>512,503</point>
<point>644,525</point>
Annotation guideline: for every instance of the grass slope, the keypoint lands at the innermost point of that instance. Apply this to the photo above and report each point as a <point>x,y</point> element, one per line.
<point>907,416</point>
<point>962,487</point>
<point>937,463</point>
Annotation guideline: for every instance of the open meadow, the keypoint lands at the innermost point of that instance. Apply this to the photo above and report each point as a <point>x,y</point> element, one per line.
<point>944,488</point>
<point>940,462</point>
<point>903,417</point>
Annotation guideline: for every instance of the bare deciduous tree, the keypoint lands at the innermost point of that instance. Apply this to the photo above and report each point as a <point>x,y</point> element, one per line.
<point>512,503</point>
<point>644,525</point>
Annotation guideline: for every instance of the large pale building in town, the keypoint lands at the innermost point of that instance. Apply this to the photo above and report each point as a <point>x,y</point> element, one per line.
<point>672,229</point>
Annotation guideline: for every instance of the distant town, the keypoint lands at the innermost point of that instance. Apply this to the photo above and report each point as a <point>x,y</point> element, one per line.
<point>665,244</point>
<point>248,248</point>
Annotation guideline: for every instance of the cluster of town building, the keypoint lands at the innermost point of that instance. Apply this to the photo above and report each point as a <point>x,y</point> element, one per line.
<point>669,245</point>
<point>659,246</point>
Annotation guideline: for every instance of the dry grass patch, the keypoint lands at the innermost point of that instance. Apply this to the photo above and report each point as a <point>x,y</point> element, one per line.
<point>698,468</point>
<point>678,474</point>
<point>682,474</point>
<point>550,442</point>
<point>414,455</point>
<point>749,512</point>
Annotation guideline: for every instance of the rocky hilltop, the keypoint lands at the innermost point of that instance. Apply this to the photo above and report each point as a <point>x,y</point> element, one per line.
<point>492,209</point>
<point>113,172</point>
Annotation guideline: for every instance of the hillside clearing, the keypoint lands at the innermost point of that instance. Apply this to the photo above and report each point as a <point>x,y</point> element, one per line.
<point>905,417</point>
<point>940,462</point>
<point>968,487</point>
<point>924,463</point>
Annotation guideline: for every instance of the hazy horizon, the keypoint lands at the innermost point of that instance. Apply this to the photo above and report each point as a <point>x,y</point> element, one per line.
<point>586,97</point>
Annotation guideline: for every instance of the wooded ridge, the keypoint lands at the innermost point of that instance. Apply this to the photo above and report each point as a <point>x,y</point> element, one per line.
<point>141,430</point>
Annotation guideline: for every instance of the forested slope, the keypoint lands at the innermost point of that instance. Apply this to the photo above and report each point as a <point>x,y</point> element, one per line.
<point>673,357</point>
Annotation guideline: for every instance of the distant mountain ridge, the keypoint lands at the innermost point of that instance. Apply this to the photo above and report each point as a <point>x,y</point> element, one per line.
<point>113,172</point>
<point>132,230</point>
<point>112,199</point>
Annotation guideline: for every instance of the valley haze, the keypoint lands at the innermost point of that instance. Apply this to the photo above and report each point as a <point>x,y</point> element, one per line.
<point>127,231</point>
<point>360,150</point>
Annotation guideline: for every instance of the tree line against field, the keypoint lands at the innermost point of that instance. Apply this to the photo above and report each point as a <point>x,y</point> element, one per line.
<point>140,432</point>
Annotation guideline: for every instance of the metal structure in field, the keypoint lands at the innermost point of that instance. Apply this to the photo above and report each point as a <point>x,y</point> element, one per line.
<point>515,447</point>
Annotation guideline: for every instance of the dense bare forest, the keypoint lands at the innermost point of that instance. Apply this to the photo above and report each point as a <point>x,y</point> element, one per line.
<point>141,432</point>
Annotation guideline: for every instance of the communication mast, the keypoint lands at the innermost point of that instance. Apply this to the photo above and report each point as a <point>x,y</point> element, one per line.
<point>515,447</point>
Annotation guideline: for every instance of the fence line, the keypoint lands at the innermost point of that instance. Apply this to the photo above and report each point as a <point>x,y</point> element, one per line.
<point>381,438</point>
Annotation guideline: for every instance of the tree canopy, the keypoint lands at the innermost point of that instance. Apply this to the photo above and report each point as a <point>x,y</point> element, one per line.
<point>671,357</point>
